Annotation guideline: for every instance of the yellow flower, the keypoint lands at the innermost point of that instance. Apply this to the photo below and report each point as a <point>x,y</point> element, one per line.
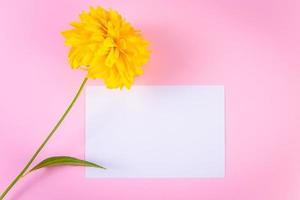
<point>106,46</point>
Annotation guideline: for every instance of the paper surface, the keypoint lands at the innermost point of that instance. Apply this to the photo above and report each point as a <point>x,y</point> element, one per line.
<point>156,131</point>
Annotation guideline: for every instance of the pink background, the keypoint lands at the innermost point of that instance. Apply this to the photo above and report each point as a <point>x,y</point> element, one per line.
<point>251,47</point>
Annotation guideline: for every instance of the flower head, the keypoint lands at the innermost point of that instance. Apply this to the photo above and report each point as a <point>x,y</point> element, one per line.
<point>106,46</point>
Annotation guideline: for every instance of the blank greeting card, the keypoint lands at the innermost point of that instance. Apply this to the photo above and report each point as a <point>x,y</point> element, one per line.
<point>156,131</point>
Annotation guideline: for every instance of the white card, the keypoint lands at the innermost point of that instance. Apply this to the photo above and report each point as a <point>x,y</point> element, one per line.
<point>156,131</point>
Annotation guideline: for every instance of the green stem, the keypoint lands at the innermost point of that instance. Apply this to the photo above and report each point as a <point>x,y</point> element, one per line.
<point>19,176</point>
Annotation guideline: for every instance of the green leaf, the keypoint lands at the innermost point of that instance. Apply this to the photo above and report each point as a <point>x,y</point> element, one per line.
<point>64,160</point>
